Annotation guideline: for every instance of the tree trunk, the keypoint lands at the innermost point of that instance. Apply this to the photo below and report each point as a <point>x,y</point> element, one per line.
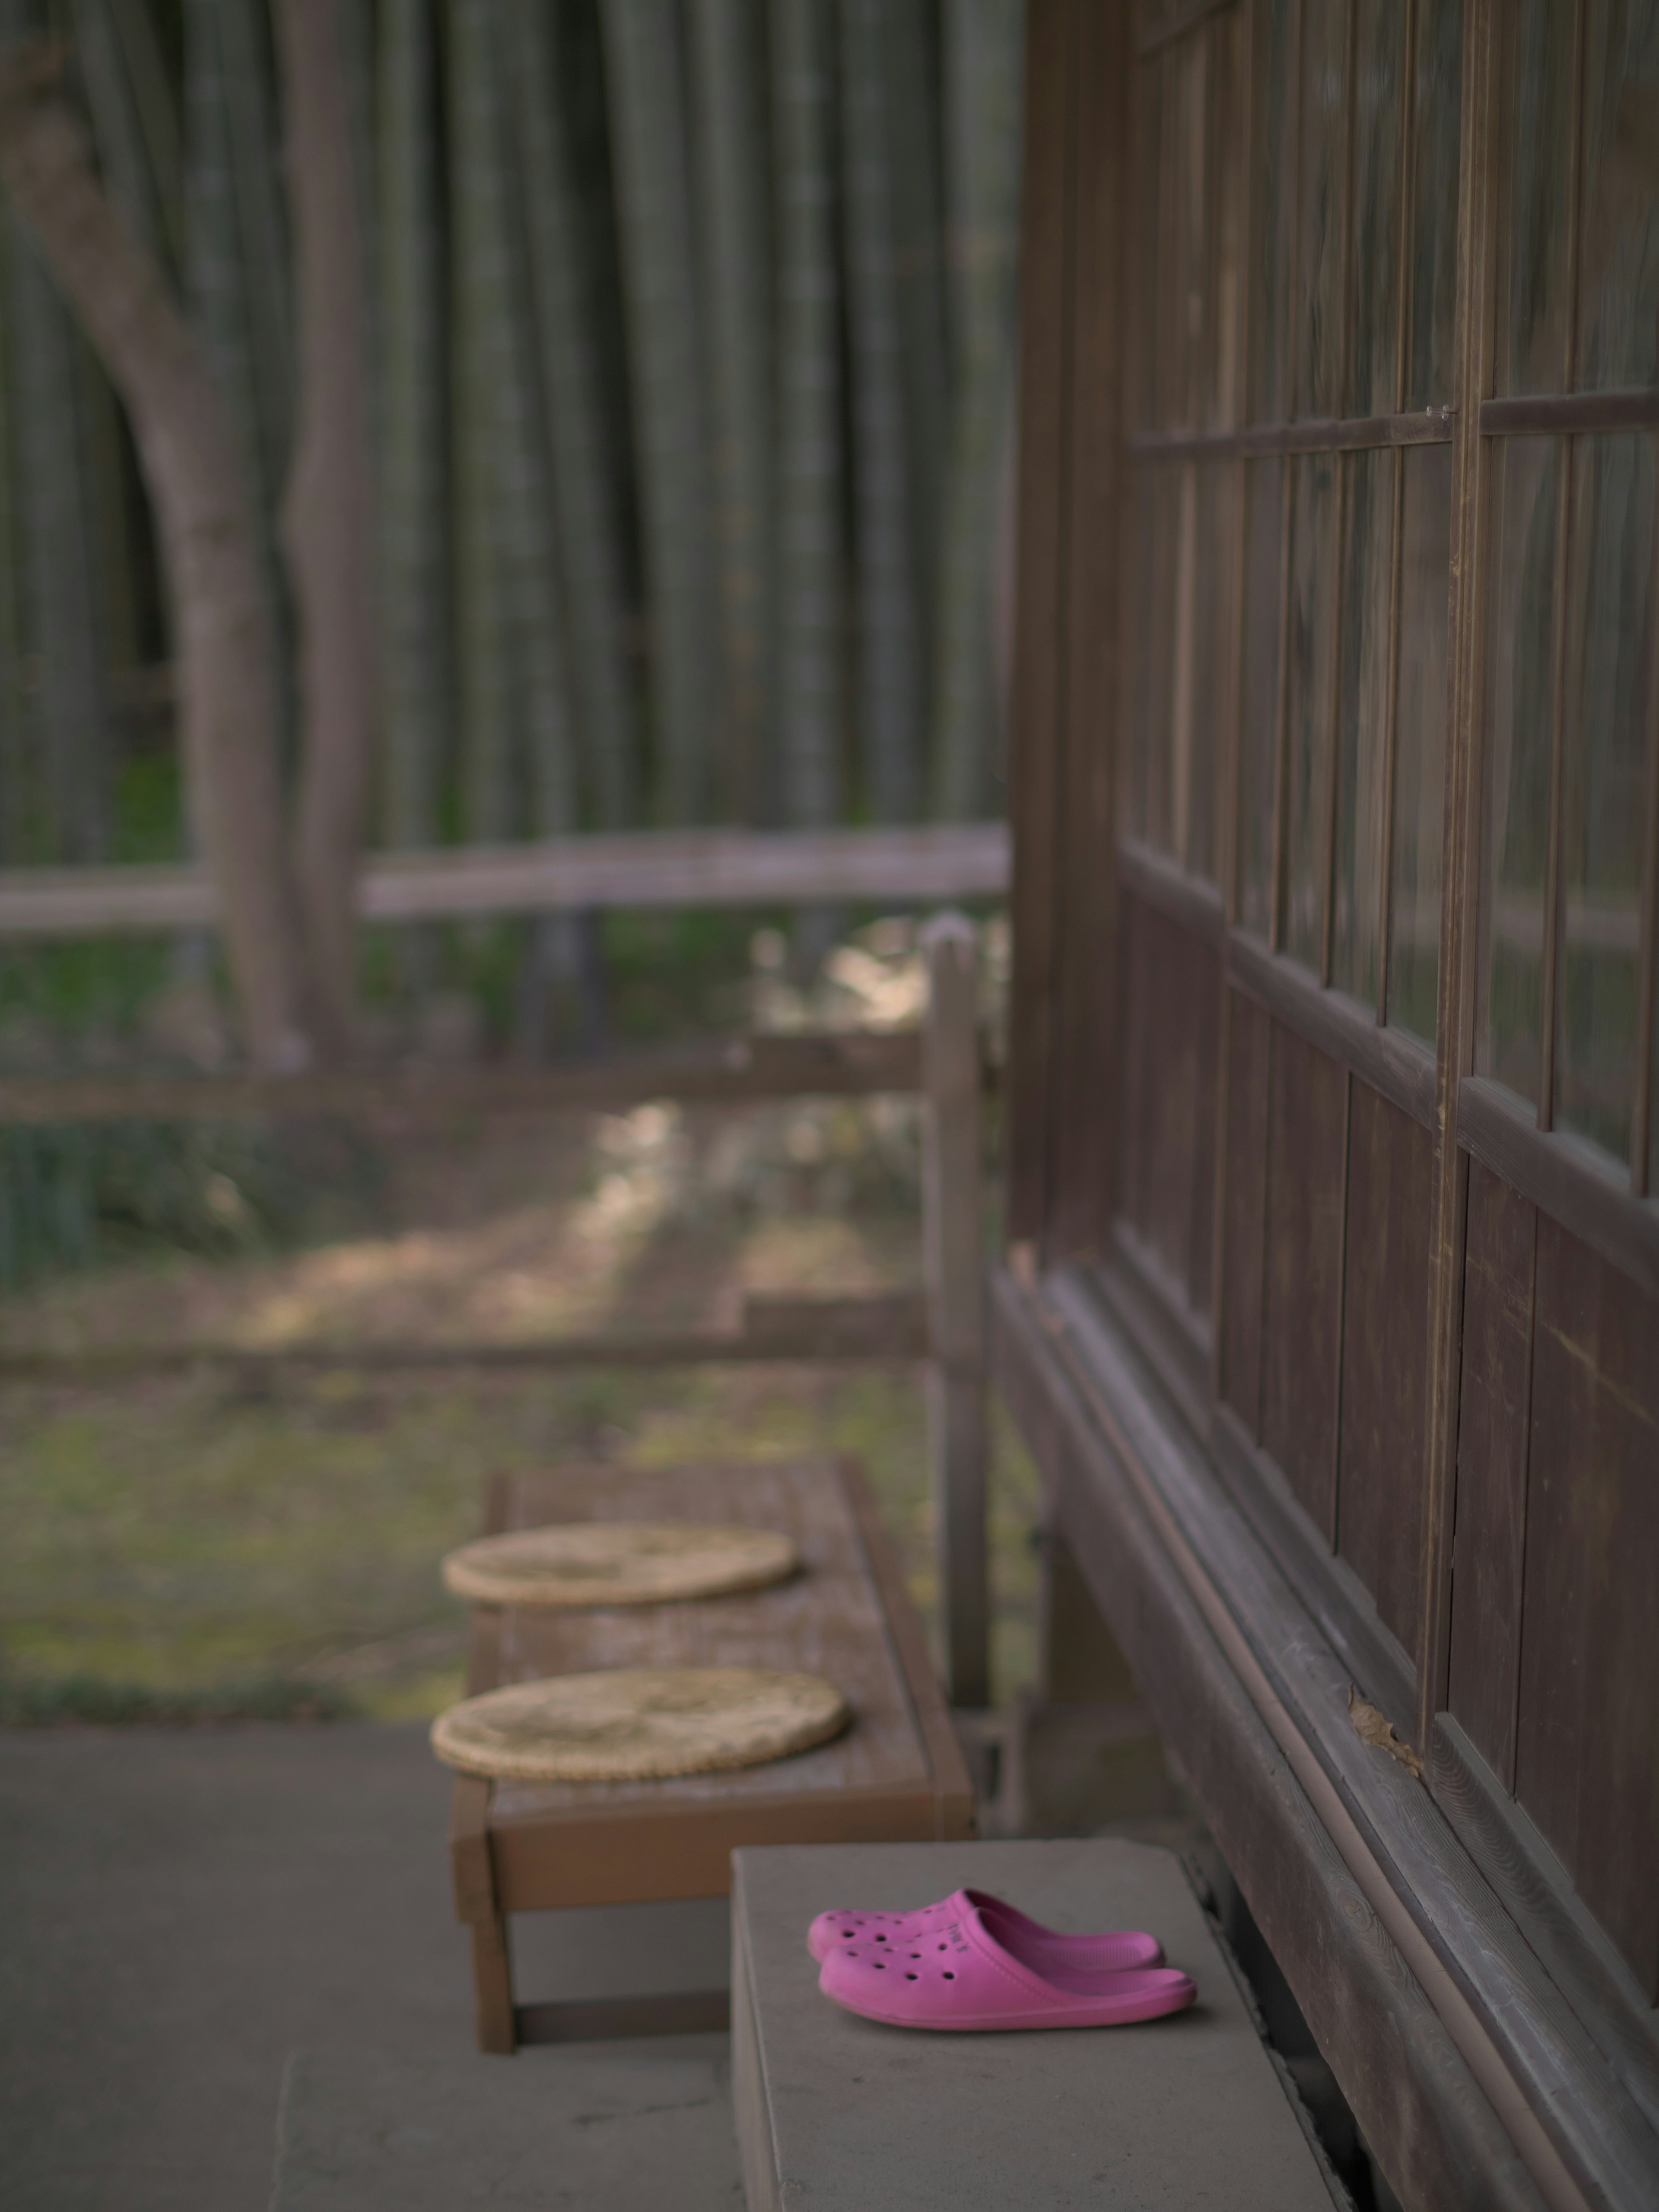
<point>645,84</point>
<point>187,450</point>
<point>889,639</point>
<point>737,267</point>
<point>327,522</point>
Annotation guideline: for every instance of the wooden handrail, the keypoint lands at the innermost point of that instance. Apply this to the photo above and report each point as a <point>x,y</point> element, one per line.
<point>647,868</point>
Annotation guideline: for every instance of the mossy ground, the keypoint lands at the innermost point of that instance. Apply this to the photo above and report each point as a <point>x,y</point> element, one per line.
<point>219,1549</point>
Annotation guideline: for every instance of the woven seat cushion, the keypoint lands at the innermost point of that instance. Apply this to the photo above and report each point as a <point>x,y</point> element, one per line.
<point>588,1562</point>
<point>638,1723</point>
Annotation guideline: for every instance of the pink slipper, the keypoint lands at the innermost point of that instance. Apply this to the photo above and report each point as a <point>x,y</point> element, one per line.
<point>960,1976</point>
<point>1113,1952</point>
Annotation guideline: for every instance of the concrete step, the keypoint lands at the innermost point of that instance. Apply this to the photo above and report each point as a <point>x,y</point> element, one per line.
<point>844,2114</point>
<point>591,2128</point>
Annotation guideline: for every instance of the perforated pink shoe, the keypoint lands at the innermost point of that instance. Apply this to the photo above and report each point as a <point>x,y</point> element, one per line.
<point>959,1975</point>
<point>1113,1950</point>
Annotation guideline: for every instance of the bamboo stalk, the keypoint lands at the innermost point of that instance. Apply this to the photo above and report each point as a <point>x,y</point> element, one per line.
<point>117,131</point>
<point>913,62</point>
<point>157,112</point>
<point>262,229</point>
<point>522,489</point>
<point>485,694</point>
<point>736,243</point>
<point>810,458</point>
<point>576,430</point>
<point>19,802</point>
<point>63,643</point>
<point>889,631</point>
<point>646,95</point>
<point>416,669</point>
<point>983,56</point>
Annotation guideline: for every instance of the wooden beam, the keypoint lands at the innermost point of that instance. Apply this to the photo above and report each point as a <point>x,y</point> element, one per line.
<point>851,1063</point>
<point>703,868</point>
<point>953,1251</point>
<point>876,1329</point>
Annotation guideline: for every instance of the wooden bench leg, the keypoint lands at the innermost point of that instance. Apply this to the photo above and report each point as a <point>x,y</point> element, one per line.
<point>492,1985</point>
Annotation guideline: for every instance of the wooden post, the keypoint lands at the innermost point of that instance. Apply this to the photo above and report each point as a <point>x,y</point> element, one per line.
<point>953,1233</point>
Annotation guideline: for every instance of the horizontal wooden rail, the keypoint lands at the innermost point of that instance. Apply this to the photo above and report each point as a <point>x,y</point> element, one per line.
<point>696,868</point>
<point>853,1063</point>
<point>889,1329</point>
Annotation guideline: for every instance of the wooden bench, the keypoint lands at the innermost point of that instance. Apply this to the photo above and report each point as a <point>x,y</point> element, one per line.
<point>845,2114</point>
<point>896,1774</point>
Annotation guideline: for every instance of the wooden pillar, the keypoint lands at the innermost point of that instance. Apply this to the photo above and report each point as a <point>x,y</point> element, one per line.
<point>953,1236</point>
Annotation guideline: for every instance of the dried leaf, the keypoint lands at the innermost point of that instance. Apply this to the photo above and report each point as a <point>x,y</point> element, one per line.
<point>1375,1728</point>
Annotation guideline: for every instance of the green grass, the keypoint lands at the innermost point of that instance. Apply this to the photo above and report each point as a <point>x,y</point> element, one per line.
<point>178,1552</point>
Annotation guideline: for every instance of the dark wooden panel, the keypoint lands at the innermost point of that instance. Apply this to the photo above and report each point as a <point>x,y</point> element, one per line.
<point>1134,1082</point>
<point>1382,1468</point>
<point>1249,1047</point>
<point>1205,965</point>
<point>1494,1415</point>
<point>1302,1310</point>
<point>1081,1141</point>
<point>1045,296</point>
<point>1166,1094</point>
<point>1587,1751</point>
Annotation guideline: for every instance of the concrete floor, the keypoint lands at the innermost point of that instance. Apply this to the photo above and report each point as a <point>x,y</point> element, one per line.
<point>179,1911</point>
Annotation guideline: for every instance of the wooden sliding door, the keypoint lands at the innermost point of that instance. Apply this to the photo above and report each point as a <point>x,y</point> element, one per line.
<point>1340,855</point>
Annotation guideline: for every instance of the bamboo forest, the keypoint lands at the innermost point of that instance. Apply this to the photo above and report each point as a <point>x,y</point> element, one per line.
<point>661,356</point>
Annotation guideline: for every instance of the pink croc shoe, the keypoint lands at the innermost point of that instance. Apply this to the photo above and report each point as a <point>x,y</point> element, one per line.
<point>1114,1951</point>
<point>959,1975</point>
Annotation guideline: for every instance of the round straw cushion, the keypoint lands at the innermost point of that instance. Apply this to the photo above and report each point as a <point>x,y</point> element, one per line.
<point>638,1723</point>
<point>616,1563</point>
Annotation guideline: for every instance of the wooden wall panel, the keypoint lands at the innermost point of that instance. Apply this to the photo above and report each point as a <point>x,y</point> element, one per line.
<point>1587,1751</point>
<point>1382,1469</point>
<point>1302,1316</point>
<point>1248,1048</point>
<point>1165,1177</point>
<point>1206,1011</point>
<point>1494,1416</point>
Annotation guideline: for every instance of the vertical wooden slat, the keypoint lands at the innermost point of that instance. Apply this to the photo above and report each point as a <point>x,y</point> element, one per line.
<point>1044,476</point>
<point>1082,1146</point>
<point>1244,1140</point>
<point>1229,740</point>
<point>1558,603</point>
<point>1589,1713</point>
<point>1455,1006</point>
<point>1384,1356</point>
<point>1286,521</point>
<point>1302,1316</point>
<point>1402,325</point>
<point>1206,996</point>
<point>1345,469</point>
<point>1642,1162</point>
<point>953,1241</point>
<point>1492,1468</point>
